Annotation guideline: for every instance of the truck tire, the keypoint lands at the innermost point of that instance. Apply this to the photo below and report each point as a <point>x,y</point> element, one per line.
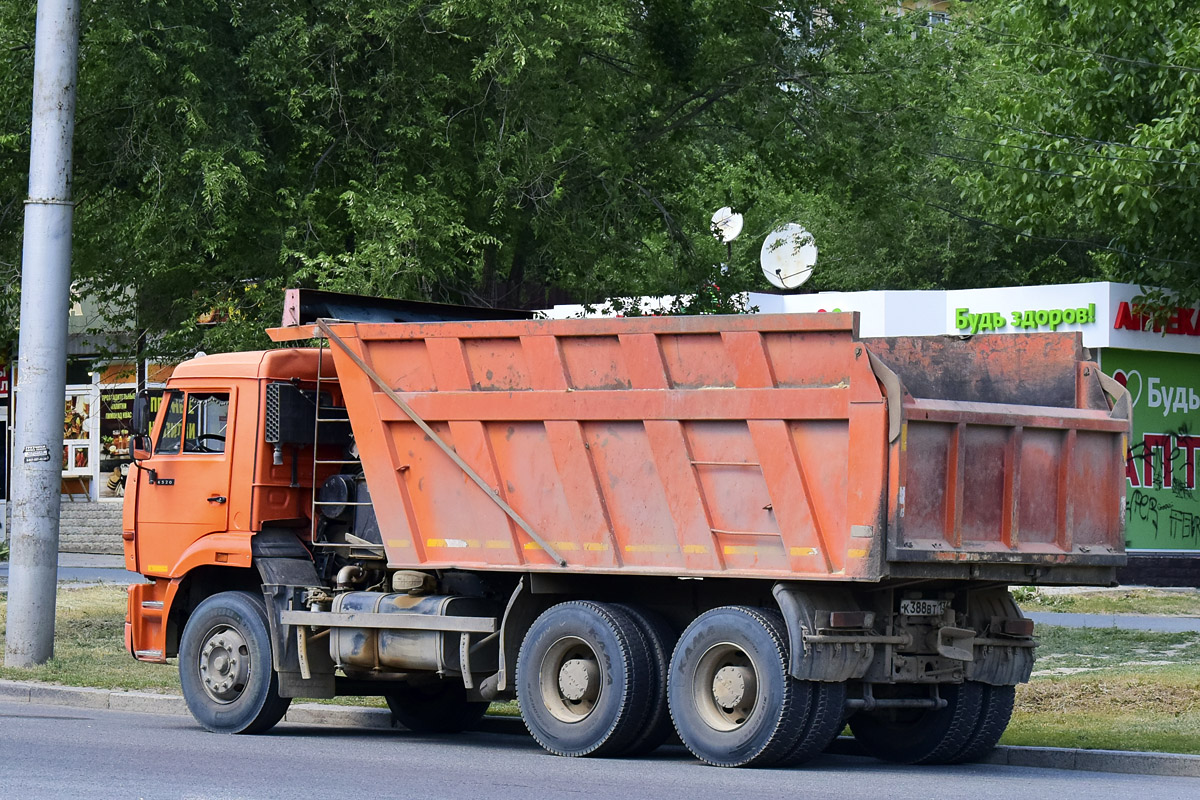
<point>826,718</point>
<point>730,695</point>
<point>922,736</point>
<point>660,639</point>
<point>440,707</point>
<point>995,712</point>
<point>225,665</point>
<point>584,679</point>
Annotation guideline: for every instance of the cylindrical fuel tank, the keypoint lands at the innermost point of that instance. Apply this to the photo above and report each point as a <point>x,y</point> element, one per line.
<point>397,649</point>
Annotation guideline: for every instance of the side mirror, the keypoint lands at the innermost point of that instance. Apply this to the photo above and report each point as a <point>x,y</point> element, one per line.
<point>139,446</point>
<point>140,422</point>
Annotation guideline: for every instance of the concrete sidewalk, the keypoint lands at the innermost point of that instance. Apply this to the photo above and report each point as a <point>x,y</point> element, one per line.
<point>1164,764</point>
<point>86,568</point>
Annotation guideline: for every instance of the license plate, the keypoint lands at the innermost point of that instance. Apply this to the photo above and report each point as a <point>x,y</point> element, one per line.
<point>923,608</point>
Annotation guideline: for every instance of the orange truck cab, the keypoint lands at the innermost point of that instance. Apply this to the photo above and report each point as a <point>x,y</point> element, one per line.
<point>211,480</point>
<point>742,529</point>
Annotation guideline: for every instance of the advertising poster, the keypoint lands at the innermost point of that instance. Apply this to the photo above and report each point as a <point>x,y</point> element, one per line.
<point>1162,505</point>
<point>76,441</point>
<point>116,415</point>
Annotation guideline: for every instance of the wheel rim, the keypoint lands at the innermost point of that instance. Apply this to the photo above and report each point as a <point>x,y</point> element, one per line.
<point>224,664</point>
<point>570,679</point>
<point>725,687</point>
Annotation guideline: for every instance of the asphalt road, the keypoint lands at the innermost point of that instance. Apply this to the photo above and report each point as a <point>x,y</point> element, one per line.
<point>55,752</point>
<point>1127,621</point>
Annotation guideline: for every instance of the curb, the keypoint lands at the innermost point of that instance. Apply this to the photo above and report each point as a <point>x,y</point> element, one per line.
<point>1171,765</point>
<point>1161,764</point>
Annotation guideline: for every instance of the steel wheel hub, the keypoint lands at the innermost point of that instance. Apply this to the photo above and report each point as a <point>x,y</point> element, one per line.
<point>225,664</point>
<point>570,679</point>
<point>725,687</point>
<point>732,684</point>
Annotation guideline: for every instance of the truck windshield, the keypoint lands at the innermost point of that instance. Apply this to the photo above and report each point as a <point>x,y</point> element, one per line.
<point>172,428</point>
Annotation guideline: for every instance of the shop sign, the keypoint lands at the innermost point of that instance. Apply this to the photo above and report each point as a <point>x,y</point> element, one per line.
<point>1162,506</point>
<point>1181,322</point>
<point>1029,319</point>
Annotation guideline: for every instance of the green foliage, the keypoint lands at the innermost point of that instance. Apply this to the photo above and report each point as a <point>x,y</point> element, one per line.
<point>495,151</point>
<point>1089,132</point>
<point>509,152</point>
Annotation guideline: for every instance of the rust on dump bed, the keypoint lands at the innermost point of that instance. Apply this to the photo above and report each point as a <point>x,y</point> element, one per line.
<point>755,446</point>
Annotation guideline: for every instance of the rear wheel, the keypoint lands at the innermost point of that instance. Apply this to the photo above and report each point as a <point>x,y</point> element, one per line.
<point>225,665</point>
<point>730,695</point>
<point>995,711</point>
<point>922,736</point>
<point>826,718</point>
<point>584,679</point>
<point>660,639</point>
<point>434,707</point>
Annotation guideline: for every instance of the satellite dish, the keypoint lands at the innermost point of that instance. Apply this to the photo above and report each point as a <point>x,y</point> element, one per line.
<point>726,225</point>
<point>788,256</point>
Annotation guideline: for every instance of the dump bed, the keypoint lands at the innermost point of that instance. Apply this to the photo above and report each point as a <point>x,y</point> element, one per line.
<point>775,446</point>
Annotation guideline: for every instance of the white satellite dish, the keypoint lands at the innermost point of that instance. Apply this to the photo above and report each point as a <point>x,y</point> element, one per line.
<point>788,256</point>
<point>726,225</point>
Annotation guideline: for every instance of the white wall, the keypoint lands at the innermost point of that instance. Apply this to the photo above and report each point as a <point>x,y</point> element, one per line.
<point>929,313</point>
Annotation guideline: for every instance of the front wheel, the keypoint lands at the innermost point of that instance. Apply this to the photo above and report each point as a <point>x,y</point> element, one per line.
<point>225,665</point>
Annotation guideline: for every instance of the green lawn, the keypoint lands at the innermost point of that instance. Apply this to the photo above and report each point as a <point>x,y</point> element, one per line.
<point>1111,689</point>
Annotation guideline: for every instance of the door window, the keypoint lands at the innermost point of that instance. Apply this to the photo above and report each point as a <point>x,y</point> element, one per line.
<point>207,418</point>
<point>195,423</point>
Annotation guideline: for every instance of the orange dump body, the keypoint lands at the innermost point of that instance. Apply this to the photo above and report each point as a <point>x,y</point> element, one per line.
<point>774,446</point>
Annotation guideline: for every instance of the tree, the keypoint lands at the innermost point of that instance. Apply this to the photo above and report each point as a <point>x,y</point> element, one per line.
<point>509,152</point>
<point>1090,134</point>
<point>494,151</point>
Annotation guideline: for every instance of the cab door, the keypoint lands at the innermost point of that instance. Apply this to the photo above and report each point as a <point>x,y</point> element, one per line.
<point>183,488</point>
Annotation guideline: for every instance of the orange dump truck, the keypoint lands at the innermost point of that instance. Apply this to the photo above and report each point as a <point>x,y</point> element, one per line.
<point>745,529</point>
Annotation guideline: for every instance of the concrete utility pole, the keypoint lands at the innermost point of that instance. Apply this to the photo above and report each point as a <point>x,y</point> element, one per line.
<point>42,365</point>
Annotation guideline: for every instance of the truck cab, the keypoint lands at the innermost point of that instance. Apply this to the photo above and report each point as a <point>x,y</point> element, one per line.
<point>206,480</point>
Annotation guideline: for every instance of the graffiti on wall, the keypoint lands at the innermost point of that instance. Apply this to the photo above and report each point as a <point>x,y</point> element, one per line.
<point>1162,505</point>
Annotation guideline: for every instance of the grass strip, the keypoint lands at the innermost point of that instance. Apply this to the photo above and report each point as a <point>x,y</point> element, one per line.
<point>1111,689</point>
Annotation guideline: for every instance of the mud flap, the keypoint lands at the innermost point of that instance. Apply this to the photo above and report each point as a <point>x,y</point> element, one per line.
<point>294,654</point>
<point>305,669</point>
<point>806,611</point>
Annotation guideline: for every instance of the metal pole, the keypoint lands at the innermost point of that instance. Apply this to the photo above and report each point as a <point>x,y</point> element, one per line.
<point>42,364</point>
